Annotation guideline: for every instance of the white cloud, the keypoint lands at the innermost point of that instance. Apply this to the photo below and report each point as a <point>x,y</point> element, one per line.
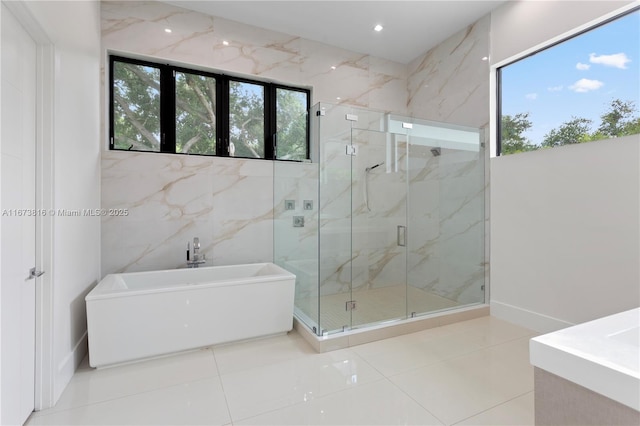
<point>532,96</point>
<point>585,85</point>
<point>555,88</point>
<point>618,60</point>
<point>582,67</point>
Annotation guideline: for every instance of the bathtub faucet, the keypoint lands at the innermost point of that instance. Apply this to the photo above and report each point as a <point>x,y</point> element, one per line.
<point>196,259</point>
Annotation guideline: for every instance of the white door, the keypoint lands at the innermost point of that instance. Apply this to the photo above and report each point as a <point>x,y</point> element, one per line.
<point>17,225</point>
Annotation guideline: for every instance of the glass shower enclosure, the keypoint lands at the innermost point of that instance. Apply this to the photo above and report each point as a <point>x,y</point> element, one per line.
<point>386,222</point>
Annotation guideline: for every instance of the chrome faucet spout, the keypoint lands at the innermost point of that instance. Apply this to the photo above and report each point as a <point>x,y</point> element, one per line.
<point>196,258</point>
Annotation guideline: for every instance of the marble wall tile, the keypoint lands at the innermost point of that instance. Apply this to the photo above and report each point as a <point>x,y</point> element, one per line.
<point>243,211</point>
<point>168,199</point>
<point>196,39</point>
<point>171,199</point>
<point>450,83</point>
<point>462,225</point>
<point>423,251</point>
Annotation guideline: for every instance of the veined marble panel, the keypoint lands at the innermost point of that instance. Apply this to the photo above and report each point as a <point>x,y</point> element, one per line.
<point>296,248</point>
<point>461,282</point>
<point>196,39</point>
<point>171,199</point>
<point>462,226</point>
<point>450,83</point>
<point>168,200</point>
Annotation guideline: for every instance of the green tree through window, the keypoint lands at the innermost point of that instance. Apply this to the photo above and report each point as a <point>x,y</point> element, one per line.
<point>163,108</point>
<point>195,114</point>
<point>136,106</point>
<point>246,120</point>
<point>291,111</point>
<point>620,119</point>
<point>583,89</point>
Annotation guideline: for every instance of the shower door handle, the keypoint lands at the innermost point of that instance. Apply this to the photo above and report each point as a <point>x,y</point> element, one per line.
<point>401,235</point>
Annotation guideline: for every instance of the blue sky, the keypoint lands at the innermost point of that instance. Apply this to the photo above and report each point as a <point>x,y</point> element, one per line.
<point>579,77</point>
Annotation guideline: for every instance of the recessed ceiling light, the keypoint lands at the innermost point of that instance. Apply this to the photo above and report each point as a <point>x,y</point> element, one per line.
<point>333,67</point>
<point>338,98</point>
<point>225,42</point>
<point>485,58</point>
<point>377,28</point>
<point>167,30</point>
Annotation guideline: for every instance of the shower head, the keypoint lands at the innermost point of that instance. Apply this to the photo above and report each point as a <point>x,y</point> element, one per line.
<point>368,169</point>
<point>436,151</point>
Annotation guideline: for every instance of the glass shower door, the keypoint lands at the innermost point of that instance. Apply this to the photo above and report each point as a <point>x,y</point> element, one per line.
<point>379,227</point>
<point>334,230</point>
<point>446,215</point>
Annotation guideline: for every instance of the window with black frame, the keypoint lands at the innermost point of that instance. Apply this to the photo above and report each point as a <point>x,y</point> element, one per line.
<point>169,109</point>
<point>583,89</point>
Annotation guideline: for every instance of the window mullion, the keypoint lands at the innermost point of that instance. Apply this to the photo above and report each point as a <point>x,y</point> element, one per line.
<point>112,60</point>
<point>499,115</point>
<point>222,117</point>
<point>270,136</point>
<point>167,109</point>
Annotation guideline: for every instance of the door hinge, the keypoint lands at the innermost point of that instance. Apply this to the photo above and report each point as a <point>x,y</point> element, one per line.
<point>350,305</point>
<point>351,150</point>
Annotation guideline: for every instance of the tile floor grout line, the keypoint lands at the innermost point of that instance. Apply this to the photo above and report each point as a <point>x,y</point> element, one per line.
<point>224,393</point>
<point>369,363</point>
<point>491,408</point>
<point>415,400</point>
<point>450,359</point>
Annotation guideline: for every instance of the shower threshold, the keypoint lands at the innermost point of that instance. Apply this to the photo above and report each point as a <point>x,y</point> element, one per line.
<point>387,329</point>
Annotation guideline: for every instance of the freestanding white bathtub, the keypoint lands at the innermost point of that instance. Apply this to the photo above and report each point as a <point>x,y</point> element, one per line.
<point>139,315</point>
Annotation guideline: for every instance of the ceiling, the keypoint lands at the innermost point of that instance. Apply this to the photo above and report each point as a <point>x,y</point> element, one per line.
<point>410,27</point>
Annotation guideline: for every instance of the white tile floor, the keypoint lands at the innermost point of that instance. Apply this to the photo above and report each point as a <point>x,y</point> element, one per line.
<point>474,372</point>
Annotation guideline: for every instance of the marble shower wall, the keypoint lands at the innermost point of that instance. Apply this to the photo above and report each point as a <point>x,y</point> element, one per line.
<point>296,248</point>
<point>450,84</point>
<point>446,223</point>
<point>462,267</point>
<point>234,226</point>
<point>358,247</point>
<point>423,250</point>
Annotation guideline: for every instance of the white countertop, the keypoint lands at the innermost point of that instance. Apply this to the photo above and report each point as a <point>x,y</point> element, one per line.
<point>601,355</point>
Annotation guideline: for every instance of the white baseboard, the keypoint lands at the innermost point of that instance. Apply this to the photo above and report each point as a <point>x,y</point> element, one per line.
<point>68,366</point>
<point>528,319</point>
